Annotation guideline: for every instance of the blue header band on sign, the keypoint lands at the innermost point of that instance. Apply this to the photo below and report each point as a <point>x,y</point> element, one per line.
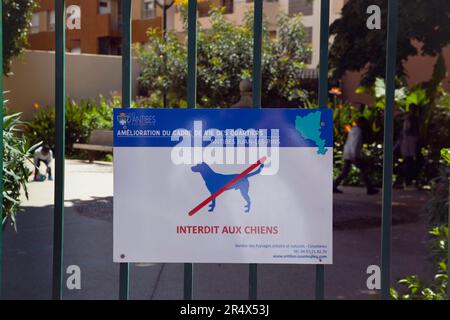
<point>282,127</point>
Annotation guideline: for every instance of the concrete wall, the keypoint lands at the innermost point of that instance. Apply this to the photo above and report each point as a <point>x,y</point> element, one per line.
<point>88,76</point>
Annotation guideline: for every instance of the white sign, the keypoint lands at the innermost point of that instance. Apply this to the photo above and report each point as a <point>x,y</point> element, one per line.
<point>223,186</point>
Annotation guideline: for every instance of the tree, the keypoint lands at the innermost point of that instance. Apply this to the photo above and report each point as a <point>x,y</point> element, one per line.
<point>357,48</point>
<point>224,58</point>
<point>16,24</point>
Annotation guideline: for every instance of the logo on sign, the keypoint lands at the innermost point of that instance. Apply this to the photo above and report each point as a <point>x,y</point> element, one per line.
<point>122,118</point>
<point>135,120</point>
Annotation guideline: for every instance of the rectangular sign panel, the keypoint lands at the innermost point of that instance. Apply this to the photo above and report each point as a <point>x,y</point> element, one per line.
<point>223,185</point>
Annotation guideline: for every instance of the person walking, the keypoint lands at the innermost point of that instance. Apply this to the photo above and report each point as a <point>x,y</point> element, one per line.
<point>352,156</point>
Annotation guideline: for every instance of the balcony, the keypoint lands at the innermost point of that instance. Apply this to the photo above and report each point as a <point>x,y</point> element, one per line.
<point>42,41</point>
<point>140,28</point>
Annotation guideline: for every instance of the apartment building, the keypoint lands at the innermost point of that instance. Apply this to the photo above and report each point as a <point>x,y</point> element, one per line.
<point>100,22</point>
<point>101,19</point>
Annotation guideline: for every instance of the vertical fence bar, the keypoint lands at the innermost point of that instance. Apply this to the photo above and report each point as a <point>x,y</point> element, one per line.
<point>60,106</point>
<point>188,290</point>
<point>257,55</point>
<point>124,274</point>
<point>448,244</point>
<point>323,103</point>
<point>1,149</point>
<point>257,80</point>
<point>388,148</point>
<point>192,54</point>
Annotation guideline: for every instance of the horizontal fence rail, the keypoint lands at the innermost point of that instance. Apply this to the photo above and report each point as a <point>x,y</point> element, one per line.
<point>60,98</point>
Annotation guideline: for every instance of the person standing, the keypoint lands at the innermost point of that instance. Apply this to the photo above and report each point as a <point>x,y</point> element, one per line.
<point>408,143</point>
<point>352,156</point>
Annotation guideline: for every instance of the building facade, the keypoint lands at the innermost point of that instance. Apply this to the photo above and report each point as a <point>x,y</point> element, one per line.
<point>100,33</point>
<point>100,22</point>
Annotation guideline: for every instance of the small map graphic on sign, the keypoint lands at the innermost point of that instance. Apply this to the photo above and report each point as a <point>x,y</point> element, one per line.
<point>310,127</point>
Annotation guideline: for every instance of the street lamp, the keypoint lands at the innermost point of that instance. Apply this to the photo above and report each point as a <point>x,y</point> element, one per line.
<point>165,5</point>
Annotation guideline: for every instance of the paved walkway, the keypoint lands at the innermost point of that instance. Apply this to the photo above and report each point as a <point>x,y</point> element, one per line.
<point>88,243</point>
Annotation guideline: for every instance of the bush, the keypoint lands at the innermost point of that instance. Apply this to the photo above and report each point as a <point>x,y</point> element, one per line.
<point>81,119</point>
<point>437,135</point>
<point>434,120</point>
<point>415,288</point>
<point>225,57</point>
<point>437,210</point>
<point>17,150</point>
<point>345,116</point>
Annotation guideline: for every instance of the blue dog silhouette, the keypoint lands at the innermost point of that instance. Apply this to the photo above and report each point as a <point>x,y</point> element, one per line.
<point>214,181</point>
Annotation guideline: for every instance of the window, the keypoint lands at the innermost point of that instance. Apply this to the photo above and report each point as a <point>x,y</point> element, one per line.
<point>300,6</point>
<point>51,20</point>
<point>148,10</point>
<point>229,5</point>
<point>251,1</point>
<point>34,23</point>
<point>104,7</point>
<point>204,7</point>
<point>109,46</point>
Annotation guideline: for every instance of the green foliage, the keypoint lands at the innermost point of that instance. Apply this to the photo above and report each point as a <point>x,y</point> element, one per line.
<point>81,119</point>
<point>445,154</point>
<point>437,207</point>
<point>403,96</point>
<point>344,116</point>
<point>433,116</point>
<point>224,58</point>
<point>163,67</point>
<point>356,48</point>
<point>285,59</point>
<point>437,210</point>
<point>414,287</point>
<point>16,24</point>
<point>436,130</point>
<point>17,150</point>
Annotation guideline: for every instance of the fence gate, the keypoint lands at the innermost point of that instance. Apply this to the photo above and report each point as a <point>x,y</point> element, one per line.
<point>60,98</point>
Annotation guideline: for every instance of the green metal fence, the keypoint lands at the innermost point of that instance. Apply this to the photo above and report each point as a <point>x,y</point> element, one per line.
<point>60,99</point>
<point>1,153</point>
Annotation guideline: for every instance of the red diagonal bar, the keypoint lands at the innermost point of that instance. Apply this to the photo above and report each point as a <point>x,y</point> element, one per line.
<point>228,185</point>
